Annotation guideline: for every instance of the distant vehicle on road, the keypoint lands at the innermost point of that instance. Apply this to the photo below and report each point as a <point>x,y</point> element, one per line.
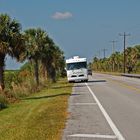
<point>76,69</point>
<point>89,72</point>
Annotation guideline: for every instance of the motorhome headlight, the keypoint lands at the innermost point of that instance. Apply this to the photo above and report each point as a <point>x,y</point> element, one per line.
<point>69,75</point>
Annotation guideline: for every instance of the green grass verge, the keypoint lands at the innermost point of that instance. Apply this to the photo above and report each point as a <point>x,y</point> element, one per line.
<point>41,116</point>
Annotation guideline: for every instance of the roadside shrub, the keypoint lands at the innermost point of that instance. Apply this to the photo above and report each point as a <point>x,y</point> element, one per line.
<point>12,77</point>
<point>137,67</point>
<point>3,102</point>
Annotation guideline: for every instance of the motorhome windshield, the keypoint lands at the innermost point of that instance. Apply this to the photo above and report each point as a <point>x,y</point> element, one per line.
<point>77,65</point>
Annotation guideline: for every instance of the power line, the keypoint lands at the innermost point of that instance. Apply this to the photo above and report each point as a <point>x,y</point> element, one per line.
<point>124,60</point>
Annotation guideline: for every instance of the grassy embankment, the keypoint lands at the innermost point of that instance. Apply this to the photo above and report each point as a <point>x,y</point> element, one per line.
<point>41,116</point>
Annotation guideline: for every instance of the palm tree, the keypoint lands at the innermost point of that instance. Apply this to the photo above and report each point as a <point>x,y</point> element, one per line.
<point>132,55</point>
<point>46,57</point>
<point>137,66</point>
<point>11,42</point>
<point>35,44</point>
<point>52,59</point>
<point>95,64</point>
<point>58,62</point>
<point>118,61</point>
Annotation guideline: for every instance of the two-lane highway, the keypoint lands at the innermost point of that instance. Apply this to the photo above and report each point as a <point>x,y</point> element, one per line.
<point>107,107</point>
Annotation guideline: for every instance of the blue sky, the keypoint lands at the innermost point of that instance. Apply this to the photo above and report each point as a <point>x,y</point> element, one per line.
<point>79,27</point>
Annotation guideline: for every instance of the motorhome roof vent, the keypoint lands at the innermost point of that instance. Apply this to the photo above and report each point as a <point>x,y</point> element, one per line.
<point>75,57</point>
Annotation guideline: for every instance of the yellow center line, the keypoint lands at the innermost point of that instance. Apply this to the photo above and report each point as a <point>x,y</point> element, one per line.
<point>125,85</point>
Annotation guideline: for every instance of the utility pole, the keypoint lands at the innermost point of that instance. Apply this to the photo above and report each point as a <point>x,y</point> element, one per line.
<point>104,50</point>
<point>124,59</point>
<point>113,46</point>
<point>99,54</point>
<point>113,51</point>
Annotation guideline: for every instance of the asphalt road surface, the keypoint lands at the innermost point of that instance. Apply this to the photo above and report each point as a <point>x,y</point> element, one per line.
<point>105,108</point>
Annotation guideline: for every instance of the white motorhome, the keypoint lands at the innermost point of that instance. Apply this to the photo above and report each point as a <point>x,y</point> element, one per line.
<point>77,69</point>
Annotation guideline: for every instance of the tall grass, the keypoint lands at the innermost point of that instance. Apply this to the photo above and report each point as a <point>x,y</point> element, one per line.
<point>21,83</point>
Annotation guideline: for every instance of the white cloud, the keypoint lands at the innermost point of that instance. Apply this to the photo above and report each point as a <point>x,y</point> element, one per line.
<point>60,15</point>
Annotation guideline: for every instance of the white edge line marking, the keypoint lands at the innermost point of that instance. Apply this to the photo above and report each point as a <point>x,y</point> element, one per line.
<point>110,122</point>
<point>93,136</point>
<point>84,104</point>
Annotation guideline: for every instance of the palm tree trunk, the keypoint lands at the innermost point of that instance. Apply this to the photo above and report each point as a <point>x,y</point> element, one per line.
<point>53,74</point>
<point>44,69</point>
<point>2,86</point>
<point>36,72</point>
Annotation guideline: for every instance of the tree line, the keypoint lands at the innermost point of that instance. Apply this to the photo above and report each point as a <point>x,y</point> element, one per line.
<point>33,45</point>
<point>115,62</point>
